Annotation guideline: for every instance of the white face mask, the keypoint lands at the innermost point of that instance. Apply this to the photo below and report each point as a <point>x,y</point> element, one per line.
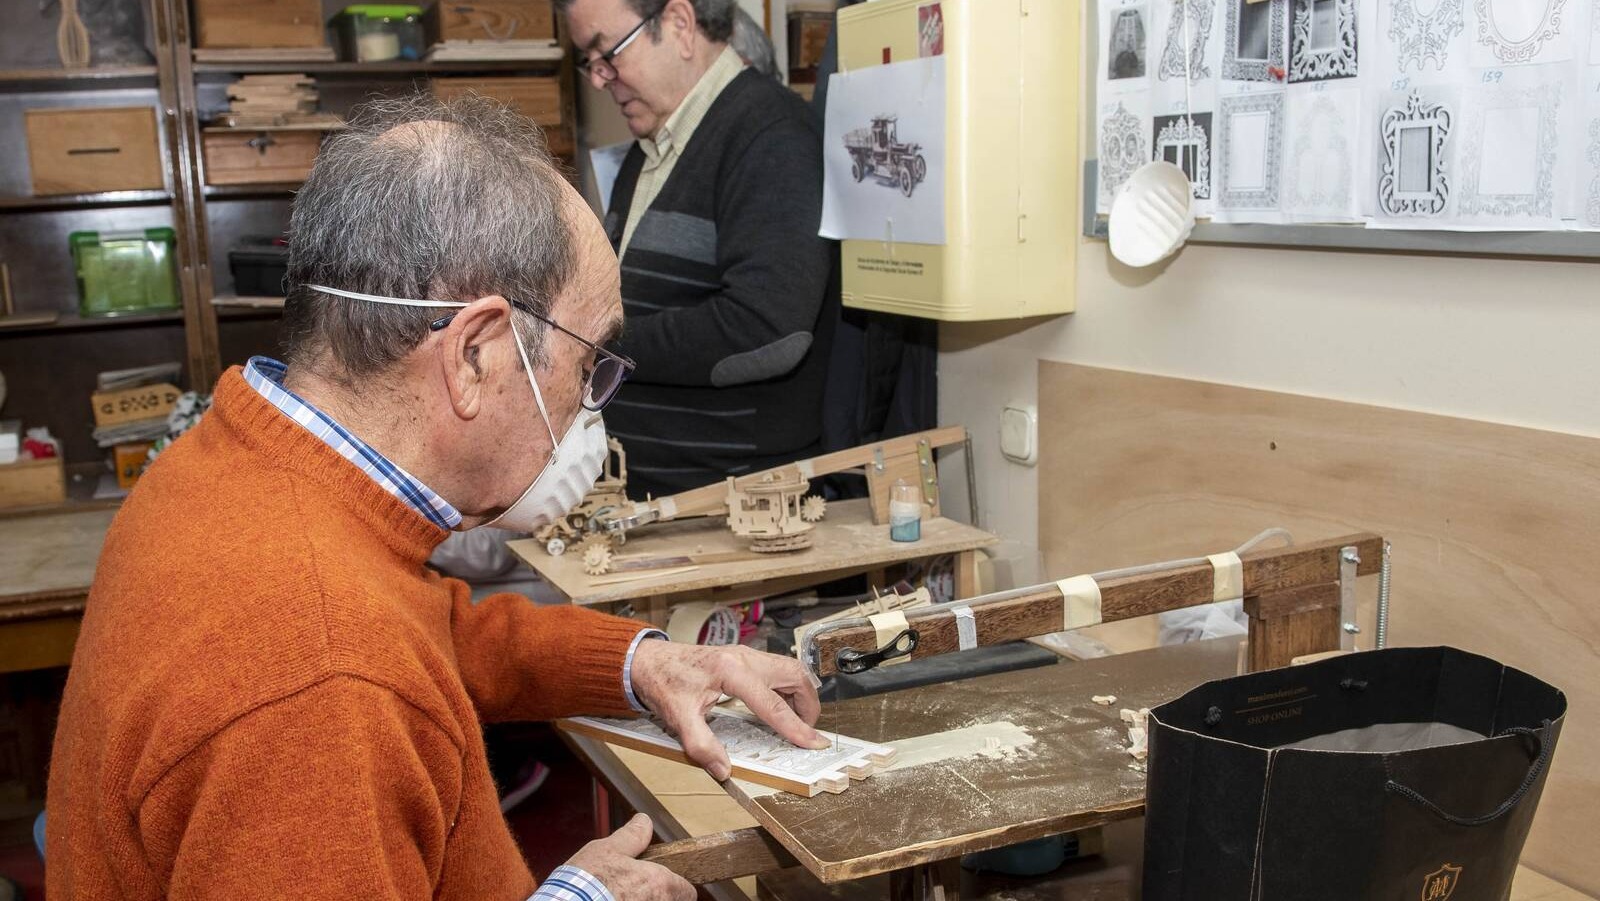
<point>576,460</point>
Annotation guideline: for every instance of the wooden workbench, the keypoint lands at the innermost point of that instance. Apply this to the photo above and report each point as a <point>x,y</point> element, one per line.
<point>845,543</point>
<point>47,563</point>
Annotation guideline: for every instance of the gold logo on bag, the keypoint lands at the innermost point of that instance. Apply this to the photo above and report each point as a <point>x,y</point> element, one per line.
<point>1441,883</point>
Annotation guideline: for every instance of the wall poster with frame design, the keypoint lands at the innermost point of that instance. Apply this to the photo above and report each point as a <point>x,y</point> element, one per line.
<point>1253,47</point>
<point>1323,40</point>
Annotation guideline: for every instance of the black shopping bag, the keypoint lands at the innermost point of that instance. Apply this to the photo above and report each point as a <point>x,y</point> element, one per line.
<point>1407,773</point>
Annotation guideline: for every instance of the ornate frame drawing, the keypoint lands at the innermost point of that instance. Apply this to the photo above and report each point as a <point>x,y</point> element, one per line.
<point>1128,34</point>
<point>1306,63</point>
<point>1524,50</point>
<point>1541,203</point>
<point>1122,149</point>
<point>1237,69</point>
<point>1269,195</point>
<point>1337,199</point>
<point>1417,113</point>
<point>1200,14</point>
<point>1186,131</point>
<point>1418,38</point>
<point>1592,211</point>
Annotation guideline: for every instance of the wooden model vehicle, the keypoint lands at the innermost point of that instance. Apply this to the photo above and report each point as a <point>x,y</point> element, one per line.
<point>877,151</point>
<point>609,493</point>
<point>770,507</point>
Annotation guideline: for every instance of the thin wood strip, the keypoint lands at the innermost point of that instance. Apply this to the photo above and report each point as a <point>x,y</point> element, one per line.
<point>724,855</point>
<point>1040,612</point>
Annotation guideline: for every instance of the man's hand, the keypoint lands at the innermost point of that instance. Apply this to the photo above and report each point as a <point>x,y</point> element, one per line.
<point>612,860</point>
<point>680,682</point>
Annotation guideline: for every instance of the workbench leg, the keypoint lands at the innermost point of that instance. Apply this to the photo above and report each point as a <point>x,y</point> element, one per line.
<point>655,610</point>
<point>602,809</point>
<point>938,881</point>
<point>966,575</point>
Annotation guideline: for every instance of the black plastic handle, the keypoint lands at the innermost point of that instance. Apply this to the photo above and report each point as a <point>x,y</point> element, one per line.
<point>1540,761</point>
<point>851,661</point>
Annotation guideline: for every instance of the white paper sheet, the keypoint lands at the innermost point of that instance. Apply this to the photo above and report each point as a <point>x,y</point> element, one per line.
<point>890,186</point>
<point>1250,130</point>
<point>1324,153</point>
<point>606,163</point>
<point>1522,32</point>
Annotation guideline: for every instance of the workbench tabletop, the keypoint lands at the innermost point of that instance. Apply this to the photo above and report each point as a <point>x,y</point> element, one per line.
<point>48,557</point>
<point>846,540</point>
<point>1072,773</point>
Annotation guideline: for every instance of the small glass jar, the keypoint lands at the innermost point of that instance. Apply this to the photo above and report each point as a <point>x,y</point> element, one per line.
<point>905,511</point>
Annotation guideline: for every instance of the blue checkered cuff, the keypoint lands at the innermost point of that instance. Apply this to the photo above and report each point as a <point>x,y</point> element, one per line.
<point>571,884</point>
<point>627,667</point>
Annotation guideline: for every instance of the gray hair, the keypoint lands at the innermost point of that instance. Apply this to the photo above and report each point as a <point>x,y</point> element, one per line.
<point>464,203</point>
<point>715,17</point>
<point>750,41</point>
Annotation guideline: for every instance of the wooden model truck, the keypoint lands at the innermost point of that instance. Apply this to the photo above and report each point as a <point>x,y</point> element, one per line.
<point>770,507</point>
<point>609,493</point>
<point>877,151</point>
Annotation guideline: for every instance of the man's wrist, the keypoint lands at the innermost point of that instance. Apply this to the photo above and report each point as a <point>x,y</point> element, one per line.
<point>628,690</point>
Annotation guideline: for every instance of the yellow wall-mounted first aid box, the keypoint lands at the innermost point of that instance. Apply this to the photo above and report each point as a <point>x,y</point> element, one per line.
<point>1011,173</point>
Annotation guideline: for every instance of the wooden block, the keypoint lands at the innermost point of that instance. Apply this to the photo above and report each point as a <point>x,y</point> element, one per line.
<point>756,753</point>
<point>725,855</point>
<point>91,149</point>
<point>490,20</point>
<point>259,23</point>
<point>33,483</point>
<point>538,98</point>
<point>243,158</point>
<point>132,404</point>
<point>1289,624</point>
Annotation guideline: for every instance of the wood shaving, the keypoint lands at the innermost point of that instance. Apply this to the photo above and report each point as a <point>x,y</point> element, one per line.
<point>1104,700</point>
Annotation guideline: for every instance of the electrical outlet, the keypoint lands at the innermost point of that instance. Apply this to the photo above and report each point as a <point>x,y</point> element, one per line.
<point>1019,433</point>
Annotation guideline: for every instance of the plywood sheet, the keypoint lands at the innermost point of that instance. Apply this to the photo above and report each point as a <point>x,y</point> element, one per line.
<point>1493,527</point>
<point>1074,773</point>
<point>845,540</point>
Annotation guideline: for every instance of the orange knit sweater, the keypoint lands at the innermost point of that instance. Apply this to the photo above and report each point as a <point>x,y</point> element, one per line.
<point>272,697</point>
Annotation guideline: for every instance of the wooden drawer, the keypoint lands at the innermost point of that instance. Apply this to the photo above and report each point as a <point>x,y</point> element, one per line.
<point>259,23</point>
<point>32,483</point>
<point>537,98</point>
<point>88,149</point>
<point>491,20</point>
<point>247,158</point>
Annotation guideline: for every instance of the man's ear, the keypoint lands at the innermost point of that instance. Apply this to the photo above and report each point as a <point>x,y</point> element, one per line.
<point>464,351</point>
<point>679,19</point>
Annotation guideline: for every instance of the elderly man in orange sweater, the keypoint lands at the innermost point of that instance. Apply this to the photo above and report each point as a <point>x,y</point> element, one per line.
<point>272,696</point>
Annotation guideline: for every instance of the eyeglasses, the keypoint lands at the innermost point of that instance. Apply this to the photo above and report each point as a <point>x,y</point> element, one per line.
<point>600,66</point>
<point>610,370</point>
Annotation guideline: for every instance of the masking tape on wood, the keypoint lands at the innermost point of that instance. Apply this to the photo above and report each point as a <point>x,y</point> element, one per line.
<point>1227,579</point>
<point>1081,595</point>
<point>720,624</point>
<point>668,507</point>
<point>966,627</point>
<point>888,627</point>
<point>807,471</point>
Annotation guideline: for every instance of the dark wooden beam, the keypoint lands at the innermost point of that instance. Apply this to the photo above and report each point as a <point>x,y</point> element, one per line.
<point>725,855</point>
<point>1039,611</point>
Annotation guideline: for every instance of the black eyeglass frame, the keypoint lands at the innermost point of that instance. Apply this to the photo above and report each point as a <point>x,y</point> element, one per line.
<point>589,403</point>
<point>586,65</point>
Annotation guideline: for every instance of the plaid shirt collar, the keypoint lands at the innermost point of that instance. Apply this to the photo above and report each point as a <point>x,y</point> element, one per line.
<point>266,376</point>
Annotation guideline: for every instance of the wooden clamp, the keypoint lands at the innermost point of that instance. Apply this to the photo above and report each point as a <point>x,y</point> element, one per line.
<point>1042,609</point>
<point>725,855</point>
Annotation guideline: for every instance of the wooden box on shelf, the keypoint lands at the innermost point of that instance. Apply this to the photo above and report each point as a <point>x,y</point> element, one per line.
<point>537,97</point>
<point>244,157</point>
<point>85,150</point>
<point>259,23</point>
<point>133,404</point>
<point>490,20</point>
<point>32,483</point>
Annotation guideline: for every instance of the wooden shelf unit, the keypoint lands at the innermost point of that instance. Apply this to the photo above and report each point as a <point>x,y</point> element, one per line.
<point>92,78</point>
<point>28,203</point>
<point>383,69</point>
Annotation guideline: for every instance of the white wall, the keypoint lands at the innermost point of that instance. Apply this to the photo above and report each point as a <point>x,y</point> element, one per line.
<point>1511,341</point>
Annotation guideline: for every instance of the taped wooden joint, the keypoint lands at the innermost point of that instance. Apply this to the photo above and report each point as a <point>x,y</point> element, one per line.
<point>887,627</point>
<point>1227,576</point>
<point>1080,602</point>
<point>966,627</point>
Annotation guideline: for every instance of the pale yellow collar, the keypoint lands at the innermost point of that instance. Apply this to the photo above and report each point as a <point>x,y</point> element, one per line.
<point>674,134</point>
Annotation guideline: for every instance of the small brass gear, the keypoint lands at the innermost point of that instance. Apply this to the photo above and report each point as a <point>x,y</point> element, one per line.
<point>597,559</point>
<point>593,539</point>
<point>813,508</point>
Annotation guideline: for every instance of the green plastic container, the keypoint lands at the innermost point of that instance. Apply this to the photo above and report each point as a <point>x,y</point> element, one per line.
<point>376,32</point>
<point>125,272</point>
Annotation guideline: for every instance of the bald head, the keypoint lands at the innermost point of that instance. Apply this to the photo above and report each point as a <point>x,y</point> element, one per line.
<point>423,199</point>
